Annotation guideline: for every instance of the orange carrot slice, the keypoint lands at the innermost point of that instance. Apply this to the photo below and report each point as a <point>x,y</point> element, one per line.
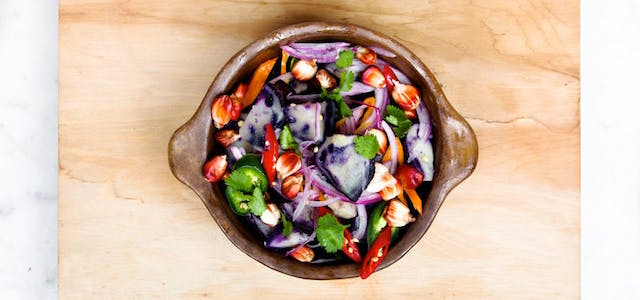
<point>257,82</point>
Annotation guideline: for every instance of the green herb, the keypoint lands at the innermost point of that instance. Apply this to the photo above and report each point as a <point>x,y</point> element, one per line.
<point>257,206</point>
<point>345,58</point>
<point>398,120</point>
<point>330,233</point>
<point>367,146</point>
<point>240,181</point>
<point>292,61</point>
<point>286,139</point>
<point>245,186</point>
<point>346,82</point>
<point>287,227</point>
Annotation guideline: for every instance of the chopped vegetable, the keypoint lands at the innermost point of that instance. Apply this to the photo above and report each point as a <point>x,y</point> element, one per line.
<point>245,187</point>
<point>346,82</point>
<point>348,170</point>
<point>267,109</point>
<point>390,77</point>
<point>376,223</point>
<point>416,202</point>
<point>270,154</point>
<point>287,142</point>
<point>257,81</point>
<point>330,233</point>
<point>214,169</point>
<point>279,241</point>
<point>306,121</point>
<point>349,246</point>
<point>376,253</point>
<point>345,58</point>
<point>322,52</point>
<point>399,154</point>
<point>287,225</point>
<point>409,176</point>
<point>367,146</point>
<point>420,152</point>
<point>283,62</point>
<point>398,120</point>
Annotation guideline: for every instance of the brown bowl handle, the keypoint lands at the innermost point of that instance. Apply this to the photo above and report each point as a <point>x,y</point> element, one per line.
<point>188,150</point>
<point>460,145</point>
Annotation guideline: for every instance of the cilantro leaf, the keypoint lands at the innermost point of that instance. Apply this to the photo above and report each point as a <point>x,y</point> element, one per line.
<point>345,111</point>
<point>345,58</point>
<point>330,233</point>
<point>287,226</point>
<point>367,146</point>
<point>346,81</point>
<point>257,205</point>
<point>286,139</point>
<point>239,181</point>
<point>398,120</point>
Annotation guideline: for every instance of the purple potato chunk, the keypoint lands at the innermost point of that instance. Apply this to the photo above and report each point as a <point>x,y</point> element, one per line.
<point>306,121</point>
<point>420,152</point>
<point>305,221</point>
<point>260,227</point>
<point>347,170</point>
<point>266,109</point>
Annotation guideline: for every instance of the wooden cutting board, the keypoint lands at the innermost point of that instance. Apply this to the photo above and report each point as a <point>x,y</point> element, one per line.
<point>132,71</point>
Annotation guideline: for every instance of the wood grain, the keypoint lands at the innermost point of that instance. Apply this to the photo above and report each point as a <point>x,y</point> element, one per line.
<point>133,71</point>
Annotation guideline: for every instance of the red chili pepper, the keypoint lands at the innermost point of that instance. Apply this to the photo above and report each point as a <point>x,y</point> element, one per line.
<point>270,154</point>
<point>389,77</point>
<point>354,253</point>
<point>323,210</point>
<point>350,248</point>
<point>376,253</point>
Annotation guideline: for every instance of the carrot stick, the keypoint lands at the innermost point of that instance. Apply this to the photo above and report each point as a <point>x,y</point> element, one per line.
<point>257,81</point>
<point>415,199</point>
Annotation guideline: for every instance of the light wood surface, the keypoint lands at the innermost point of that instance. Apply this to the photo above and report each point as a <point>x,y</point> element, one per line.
<point>131,72</point>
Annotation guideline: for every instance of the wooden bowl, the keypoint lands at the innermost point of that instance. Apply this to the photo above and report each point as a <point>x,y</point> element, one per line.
<point>456,149</point>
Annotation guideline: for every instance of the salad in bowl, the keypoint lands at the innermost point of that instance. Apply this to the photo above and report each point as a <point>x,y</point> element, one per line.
<point>321,151</point>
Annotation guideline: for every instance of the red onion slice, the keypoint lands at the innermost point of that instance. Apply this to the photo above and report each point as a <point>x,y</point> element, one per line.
<point>307,240</point>
<point>325,187</point>
<point>321,52</point>
<point>329,201</point>
<point>382,51</point>
<point>425,122</point>
<point>361,222</point>
<point>368,198</point>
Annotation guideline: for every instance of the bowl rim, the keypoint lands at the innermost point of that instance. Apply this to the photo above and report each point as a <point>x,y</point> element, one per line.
<point>186,167</point>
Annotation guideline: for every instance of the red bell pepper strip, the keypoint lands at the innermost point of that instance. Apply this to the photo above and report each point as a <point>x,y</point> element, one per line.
<point>349,247</point>
<point>376,253</point>
<point>390,77</point>
<point>270,154</point>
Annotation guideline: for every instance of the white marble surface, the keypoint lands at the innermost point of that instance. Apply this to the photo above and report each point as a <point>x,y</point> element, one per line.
<point>610,131</point>
<point>610,149</point>
<point>28,149</point>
